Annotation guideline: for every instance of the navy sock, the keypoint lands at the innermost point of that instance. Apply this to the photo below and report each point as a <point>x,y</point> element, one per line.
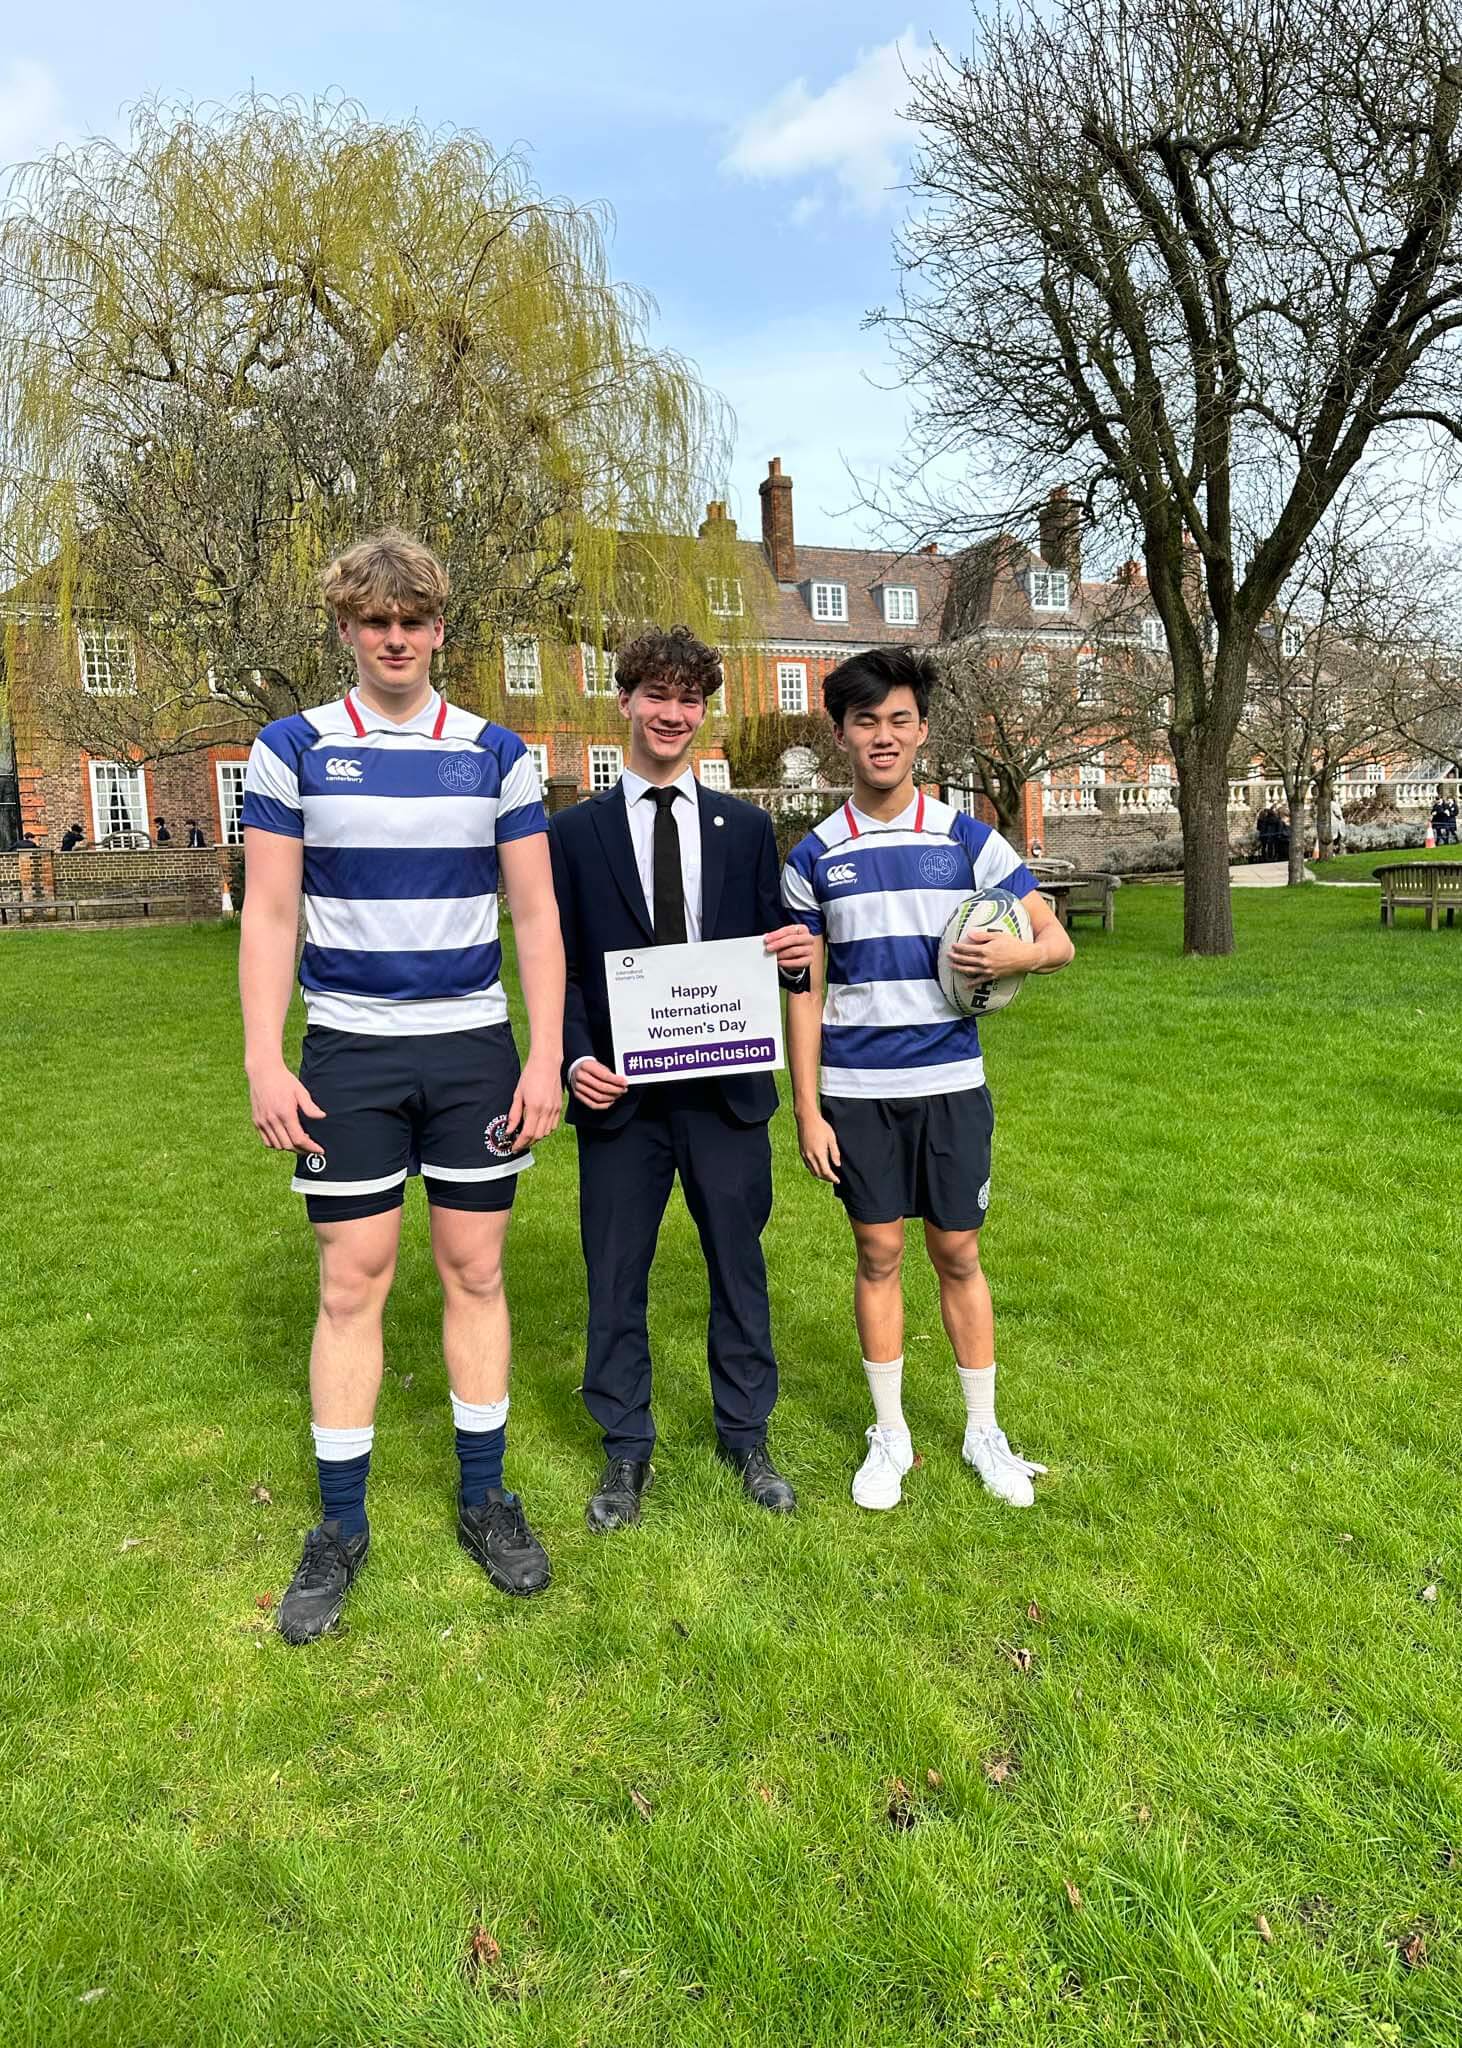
<point>343,1492</point>
<point>480,1454</point>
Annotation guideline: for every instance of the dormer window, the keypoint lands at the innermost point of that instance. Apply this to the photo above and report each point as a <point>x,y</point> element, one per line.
<point>107,665</point>
<point>723,594</point>
<point>830,602</point>
<point>900,604</point>
<point>1050,590</point>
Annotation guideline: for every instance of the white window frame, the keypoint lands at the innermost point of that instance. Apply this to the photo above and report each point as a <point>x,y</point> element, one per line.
<point>1092,774</point>
<point>108,661</point>
<point>230,814</point>
<point>1089,680</point>
<point>1050,590</point>
<point>128,774</point>
<point>900,604</point>
<point>792,681</point>
<point>723,595</point>
<point>606,765</point>
<point>1154,634</point>
<point>1372,771</point>
<point>537,753</point>
<point>1291,641</point>
<point>600,667</point>
<point>715,775</point>
<point>829,601</point>
<point>1160,775</point>
<point>522,666</point>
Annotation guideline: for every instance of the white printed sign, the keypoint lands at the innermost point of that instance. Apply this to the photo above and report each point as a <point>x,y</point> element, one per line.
<point>681,1011</point>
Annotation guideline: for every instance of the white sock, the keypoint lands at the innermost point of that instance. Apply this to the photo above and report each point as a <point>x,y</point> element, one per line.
<point>336,1445</point>
<point>479,1416</point>
<point>885,1384</point>
<point>979,1392</point>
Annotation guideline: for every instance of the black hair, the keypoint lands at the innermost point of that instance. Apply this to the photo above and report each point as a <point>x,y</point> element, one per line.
<point>866,679</point>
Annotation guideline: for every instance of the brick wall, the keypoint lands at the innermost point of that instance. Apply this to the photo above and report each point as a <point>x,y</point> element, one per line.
<point>43,877</point>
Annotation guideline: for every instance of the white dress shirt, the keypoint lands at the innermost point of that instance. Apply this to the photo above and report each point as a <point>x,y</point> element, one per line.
<point>639,808</point>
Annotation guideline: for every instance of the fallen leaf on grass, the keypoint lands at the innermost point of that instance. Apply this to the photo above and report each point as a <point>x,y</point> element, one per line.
<point>934,1780</point>
<point>130,1543</point>
<point>407,1378</point>
<point>1266,1932</point>
<point>998,1768</point>
<point>1144,1816</point>
<point>90,1997</point>
<point>1429,1594</point>
<point>1073,1896</point>
<point>1412,1949</point>
<point>1346,1537</point>
<point>1447,1857</point>
<point>1033,1613</point>
<point>765,1794</point>
<point>1024,1660</point>
<point>642,1805</point>
<point>680,1629</point>
<point>262,1497</point>
<point>264,1600</point>
<point>482,1954</point>
<point>918,1461</point>
<point>900,1810</point>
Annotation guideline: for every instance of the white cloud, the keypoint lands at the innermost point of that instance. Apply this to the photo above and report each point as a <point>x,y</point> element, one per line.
<point>853,130</point>
<point>30,111</point>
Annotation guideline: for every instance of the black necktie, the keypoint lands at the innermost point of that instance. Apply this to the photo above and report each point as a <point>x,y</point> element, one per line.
<point>669,890</point>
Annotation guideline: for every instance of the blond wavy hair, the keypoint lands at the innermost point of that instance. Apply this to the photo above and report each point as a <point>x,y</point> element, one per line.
<point>386,572</point>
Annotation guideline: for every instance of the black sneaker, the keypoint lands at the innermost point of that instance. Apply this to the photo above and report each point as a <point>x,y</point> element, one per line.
<point>498,1537</point>
<point>317,1591</point>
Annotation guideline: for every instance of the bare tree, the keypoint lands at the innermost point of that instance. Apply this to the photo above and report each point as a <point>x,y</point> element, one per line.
<point>1343,650</point>
<point>1021,699</point>
<point>1203,261</point>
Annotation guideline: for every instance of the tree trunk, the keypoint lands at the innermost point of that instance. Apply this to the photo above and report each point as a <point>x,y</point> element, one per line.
<point>1297,840</point>
<point>1324,804</point>
<point>1208,923</point>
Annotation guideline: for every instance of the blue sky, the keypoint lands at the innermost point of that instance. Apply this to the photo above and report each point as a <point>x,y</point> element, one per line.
<point>751,159</point>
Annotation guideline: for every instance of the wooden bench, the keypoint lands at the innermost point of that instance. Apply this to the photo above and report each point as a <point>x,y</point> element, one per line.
<point>1430,884</point>
<point>1082,896</point>
<point>98,909</point>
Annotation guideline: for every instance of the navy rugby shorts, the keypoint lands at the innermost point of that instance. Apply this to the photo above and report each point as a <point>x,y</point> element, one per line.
<point>925,1156</point>
<point>436,1105</point>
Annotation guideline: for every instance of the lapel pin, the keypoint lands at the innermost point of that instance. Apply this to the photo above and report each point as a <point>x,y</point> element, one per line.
<point>718,819</point>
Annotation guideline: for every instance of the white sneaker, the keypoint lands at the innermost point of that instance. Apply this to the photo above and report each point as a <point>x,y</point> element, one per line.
<point>878,1481</point>
<point>1005,1475</point>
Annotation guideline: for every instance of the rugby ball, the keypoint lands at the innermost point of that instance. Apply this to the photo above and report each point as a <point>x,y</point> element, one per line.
<point>993,910</point>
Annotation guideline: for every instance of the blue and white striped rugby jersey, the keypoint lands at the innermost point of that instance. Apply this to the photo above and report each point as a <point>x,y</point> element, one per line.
<point>881,895</point>
<point>401,826</point>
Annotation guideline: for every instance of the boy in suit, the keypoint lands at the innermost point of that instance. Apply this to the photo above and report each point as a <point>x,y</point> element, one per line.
<point>660,859</point>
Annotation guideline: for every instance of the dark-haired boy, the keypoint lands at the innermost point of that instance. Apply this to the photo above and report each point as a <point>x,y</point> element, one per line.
<point>903,1122</point>
<point>661,859</point>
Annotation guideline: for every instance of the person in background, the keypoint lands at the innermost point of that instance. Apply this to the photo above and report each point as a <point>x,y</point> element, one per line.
<point>1270,827</point>
<point>195,832</point>
<point>72,836</point>
<point>161,836</point>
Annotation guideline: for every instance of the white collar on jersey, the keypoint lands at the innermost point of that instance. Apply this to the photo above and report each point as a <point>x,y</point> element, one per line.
<point>431,717</point>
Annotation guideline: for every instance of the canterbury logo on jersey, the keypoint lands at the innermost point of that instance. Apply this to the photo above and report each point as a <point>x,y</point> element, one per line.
<point>337,770</point>
<point>842,873</point>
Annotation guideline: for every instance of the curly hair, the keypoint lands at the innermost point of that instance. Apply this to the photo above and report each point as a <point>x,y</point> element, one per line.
<point>673,657</point>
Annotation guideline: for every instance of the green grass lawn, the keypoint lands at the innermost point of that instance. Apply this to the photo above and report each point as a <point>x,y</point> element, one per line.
<point>1361,867</point>
<point>950,1775</point>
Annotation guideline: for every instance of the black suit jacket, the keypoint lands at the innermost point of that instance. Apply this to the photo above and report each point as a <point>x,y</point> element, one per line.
<point>601,905</point>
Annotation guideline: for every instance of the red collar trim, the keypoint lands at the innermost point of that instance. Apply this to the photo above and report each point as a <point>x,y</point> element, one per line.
<point>437,724</point>
<point>853,822</point>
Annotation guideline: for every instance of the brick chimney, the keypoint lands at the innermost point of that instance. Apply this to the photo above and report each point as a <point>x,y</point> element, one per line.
<point>716,525</point>
<point>1060,524</point>
<point>776,522</point>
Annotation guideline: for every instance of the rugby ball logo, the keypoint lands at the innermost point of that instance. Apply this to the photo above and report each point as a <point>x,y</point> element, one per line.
<point>993,910</point>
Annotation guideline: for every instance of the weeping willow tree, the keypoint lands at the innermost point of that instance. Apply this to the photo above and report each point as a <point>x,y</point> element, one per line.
<point>248,335</point>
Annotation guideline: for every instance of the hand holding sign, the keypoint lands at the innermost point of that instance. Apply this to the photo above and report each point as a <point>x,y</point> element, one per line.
<point>681,1011</point>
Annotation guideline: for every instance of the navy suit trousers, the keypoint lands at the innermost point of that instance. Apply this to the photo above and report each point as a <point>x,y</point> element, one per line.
<point>625,1177</point>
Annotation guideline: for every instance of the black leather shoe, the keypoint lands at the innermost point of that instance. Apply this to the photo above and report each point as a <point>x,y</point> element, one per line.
<point>317,1591</point>
<point>498,1537</point>
<point>615,1501</point>
<point>759,1476</point>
